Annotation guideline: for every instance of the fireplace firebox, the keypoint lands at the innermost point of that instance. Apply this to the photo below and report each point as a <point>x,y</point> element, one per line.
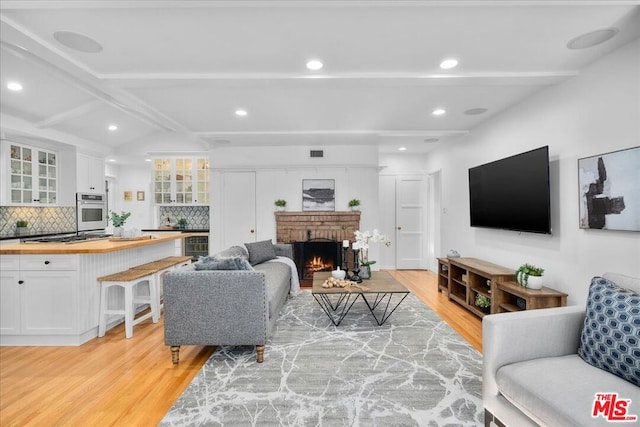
<point>316,255</point>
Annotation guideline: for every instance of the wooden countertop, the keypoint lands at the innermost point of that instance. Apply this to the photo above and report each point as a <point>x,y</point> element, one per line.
<point>91,247</point>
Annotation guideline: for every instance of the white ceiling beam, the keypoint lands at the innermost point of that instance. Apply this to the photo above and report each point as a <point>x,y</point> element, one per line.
<point>84,86</point>
<point>186,4</point>
<point>487,78</point>
<point>383,133</point>
<point>23,127</point>
<point>90,84</point>
<point>69,114</point>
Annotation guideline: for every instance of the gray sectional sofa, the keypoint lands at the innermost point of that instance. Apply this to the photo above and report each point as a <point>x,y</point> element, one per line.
<point>545,367</point>
<point>214,302</point>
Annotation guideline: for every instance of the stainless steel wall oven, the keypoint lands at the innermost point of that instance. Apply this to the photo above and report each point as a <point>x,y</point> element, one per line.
<point>91,211</point>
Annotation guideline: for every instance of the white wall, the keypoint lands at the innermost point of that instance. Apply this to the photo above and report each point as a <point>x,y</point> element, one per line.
<point>134,179</point>
<point>596,112</point>
<point>279,174</point>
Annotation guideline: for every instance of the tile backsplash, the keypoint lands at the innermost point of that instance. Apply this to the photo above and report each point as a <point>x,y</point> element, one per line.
<point>41,220</point>
<point>197,216</point>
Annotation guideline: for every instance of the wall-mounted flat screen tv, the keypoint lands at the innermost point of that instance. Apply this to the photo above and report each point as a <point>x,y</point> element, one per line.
<point>512,193</point>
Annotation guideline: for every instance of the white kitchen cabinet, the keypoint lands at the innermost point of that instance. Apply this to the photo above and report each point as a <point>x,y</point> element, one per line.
<point>48,302</point>
<point>32,175</point>
<point>9,302</point>
<point>38,295</point>
<point>181,181</point>
<point>89,174</point>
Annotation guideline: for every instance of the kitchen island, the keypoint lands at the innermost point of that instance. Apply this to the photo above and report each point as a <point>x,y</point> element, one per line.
<point>49,294</point>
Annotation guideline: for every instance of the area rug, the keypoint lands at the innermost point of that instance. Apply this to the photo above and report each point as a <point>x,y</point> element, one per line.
<point>412,371</point>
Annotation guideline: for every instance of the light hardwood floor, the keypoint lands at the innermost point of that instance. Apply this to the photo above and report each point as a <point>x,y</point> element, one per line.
<point>132,382</point>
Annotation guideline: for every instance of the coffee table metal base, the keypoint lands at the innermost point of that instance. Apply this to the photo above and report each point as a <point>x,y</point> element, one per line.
<point>380,299</point>
<point>338,310</point>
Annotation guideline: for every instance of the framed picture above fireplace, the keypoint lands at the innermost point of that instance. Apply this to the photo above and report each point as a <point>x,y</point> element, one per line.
<point>318,195</point>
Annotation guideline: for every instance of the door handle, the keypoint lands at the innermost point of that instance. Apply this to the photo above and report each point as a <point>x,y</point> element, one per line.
<point>399,228</point>
<point>252,231</point>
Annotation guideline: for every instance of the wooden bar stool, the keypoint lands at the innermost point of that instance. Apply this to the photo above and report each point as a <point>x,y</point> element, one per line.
<point>128,280</point>
<point>158,268</point>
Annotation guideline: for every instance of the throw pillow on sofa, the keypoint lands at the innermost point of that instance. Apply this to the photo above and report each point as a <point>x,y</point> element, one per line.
<point>610,338</point>
<point>231,252</point>
<point>260,252</point>
<point>210,263</point>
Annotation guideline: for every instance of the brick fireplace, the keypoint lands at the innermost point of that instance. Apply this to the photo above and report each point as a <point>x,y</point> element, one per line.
<point>317,239</point>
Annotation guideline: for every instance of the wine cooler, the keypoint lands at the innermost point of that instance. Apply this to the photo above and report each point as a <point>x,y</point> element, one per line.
<point>196,246</point>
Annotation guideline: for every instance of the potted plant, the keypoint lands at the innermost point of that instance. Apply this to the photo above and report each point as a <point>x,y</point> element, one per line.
<point>118,221</point>
<point>363,239</point>
<point>530,276</point>
<point>281,204</point>
<point>182,223</point>
<point>21,227</point>
<point>353,204</point>
<point>483,302</point>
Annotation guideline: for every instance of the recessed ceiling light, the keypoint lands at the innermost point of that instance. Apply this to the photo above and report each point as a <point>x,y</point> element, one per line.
<point>593,38</point>
<point>475,111</point>
<point>314,65</point>
<point>431,140</point>
<point>113,128</point>
<point>448,63</point>
<point>14,86</point>
<point>112,160</point>
<point>438,111</point>
<point>147,160</point>
<point>402,149</point>
<point>77,41</point>
<point>241,113</point>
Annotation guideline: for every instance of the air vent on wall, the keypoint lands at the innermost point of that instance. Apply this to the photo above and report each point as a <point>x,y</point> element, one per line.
<point>316,153</point>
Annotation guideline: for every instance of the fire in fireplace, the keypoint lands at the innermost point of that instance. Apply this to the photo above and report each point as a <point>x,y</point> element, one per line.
<point>316,255</point>
<point>317,263</point>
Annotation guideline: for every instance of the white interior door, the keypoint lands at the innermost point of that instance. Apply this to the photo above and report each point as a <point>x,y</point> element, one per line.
<point>410,218</point>
<point>239,208</point>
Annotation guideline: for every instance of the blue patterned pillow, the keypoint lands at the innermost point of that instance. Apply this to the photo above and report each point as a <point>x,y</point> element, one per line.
<point>610,337</point>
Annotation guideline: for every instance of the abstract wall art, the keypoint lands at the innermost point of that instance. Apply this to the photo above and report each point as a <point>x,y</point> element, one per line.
<point>318,195</point>
<point>610,190</point>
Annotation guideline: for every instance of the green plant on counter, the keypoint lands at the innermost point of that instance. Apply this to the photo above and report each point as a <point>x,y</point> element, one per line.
<point>182,223</point>
<point>281,203</point>
<point>354,203</point>
<point>118,220</point>
<point>21,223</point>
<point>483,301</point>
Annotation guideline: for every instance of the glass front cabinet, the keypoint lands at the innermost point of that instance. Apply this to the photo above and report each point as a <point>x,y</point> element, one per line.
<point>182,181</point>
<point>33,175</point>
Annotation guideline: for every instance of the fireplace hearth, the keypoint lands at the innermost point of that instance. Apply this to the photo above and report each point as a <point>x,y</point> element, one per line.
<point>317,239</point>
<point>316,255</point>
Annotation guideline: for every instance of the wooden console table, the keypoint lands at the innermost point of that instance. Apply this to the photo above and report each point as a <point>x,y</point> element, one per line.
<point>509,296</point>
<point>463,279</point>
